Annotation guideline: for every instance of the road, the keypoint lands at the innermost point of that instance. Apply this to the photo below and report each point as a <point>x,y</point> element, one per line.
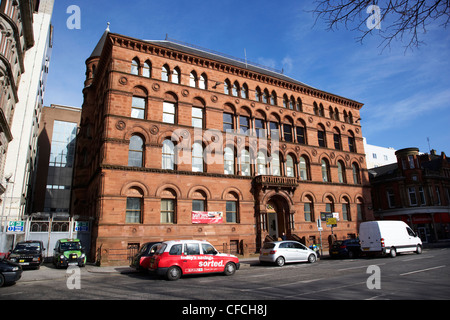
<point>407,277</point>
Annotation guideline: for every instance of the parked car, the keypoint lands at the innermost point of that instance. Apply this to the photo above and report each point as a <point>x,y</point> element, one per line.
<point>388,238</point>
<point>346,248</point>
<point>10,272</point>
<point>68,252</point>
<point>176,258</point>
<point>28,253</point>
<point>141,260</point>
<point>281,252</point>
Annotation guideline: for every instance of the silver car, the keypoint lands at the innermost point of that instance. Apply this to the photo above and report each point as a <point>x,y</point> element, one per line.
<point>281,252</point>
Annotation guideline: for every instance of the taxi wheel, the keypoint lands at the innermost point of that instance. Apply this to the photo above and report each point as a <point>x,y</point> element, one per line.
<point>174,273</point>
<point>230,269</point>
<point>2,280</point>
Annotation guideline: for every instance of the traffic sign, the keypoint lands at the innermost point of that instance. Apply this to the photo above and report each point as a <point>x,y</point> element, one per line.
<point>16,226</point>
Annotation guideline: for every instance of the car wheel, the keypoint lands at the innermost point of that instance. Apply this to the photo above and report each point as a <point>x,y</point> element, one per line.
<point>2,280</point>
<point>174,273</point>
<point>230,269</point>
<point>280,261</point>
<point>351,255</point>
<point>393,253</point>
<point>312,258</point>
<point>419,249</point>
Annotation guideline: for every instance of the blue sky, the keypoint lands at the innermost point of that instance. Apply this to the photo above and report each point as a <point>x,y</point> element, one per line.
<point>406,94</point>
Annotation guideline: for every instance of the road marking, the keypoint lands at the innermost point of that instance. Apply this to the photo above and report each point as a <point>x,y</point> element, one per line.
<point>282,285</point>
<point>380,264</point>
<point>416,258</point>
<point>423,270</point>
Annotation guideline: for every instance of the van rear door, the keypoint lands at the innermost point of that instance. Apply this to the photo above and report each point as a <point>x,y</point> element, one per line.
<point>369,236</point>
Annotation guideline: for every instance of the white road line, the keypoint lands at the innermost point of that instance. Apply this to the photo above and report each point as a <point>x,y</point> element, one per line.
<point>423,270</point>
<point>380,264</point>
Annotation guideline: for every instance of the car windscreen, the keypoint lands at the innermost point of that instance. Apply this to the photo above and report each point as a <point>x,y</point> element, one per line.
<point>65,246</point>
<point>160,249</point>
<point>27,247</point>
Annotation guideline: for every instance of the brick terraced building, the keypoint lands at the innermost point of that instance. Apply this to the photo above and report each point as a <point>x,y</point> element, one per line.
<point>178,142</point>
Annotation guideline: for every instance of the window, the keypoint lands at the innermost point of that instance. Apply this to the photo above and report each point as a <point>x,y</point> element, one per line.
<point>273,98</point>
<point>308,209</point>
<point>176,75</point>
<point>202,84</point>
<point>261,163</point>
<point>355,171</point>
<point>346,210</point>
<point>133,212</point>
<point>244,91</point>
<point>351,142</point>
<point>192,249</point>
<point>135,151</point>
<point>235,90</point>
<point>337,140</point>
<point>198,205</point>
<point>245,163</point>
<point>303,168</point>
<point>411,162</point>
<point>208,249</point>
<point>228,161</point>
<point>63,144</point>
<point>422,196</point>
<point>341,172</point>
<point>197,157</point>
<point>244,125</point>
<point>301,135</point>
<point>391,198</point>
<point>325,171</point>
<point>193,79</point>
<point>321,137</point>
<point>228,122</point>
<point>438,196</point>
<point>259,128</point>
<point>165,73</point>
<point>412,196</point>
<point>135,67</point>
<point>258,94</point>
<point>176,250</point>
<point>274,134</point>
<point>138,108</point>
<point>231,211</point>
<point>265,96</point>
<point>169,112</point>
<point>290,166</point>
<point>329,204</point>
<point>275,164</point>
<point>374,155</point>
<point>167,211</point>
<point>168,155</point>
<point>146,71</point>
<point>287,130</point>
<point>226,87</point>
<point>197,117</point>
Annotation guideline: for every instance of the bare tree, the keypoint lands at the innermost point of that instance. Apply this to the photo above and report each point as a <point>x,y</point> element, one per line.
<point>404,20</point>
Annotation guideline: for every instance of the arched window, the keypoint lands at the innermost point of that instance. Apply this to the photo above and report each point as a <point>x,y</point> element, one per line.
<point>235,89</point>
<point>261,163</point>
<point>165,73</point>
<point>321,136</point>
<point>228,161</point>
<point>244,91</point>
<point>265,97</point>
<point>203,83</point>
<point>193,79</point>
<point>303,167</point>
<point>316,109</point>
<point>285,101</point>
<point>355,171</point>
<point>291,103</point>
<point>135,66</point>
<point>258,94</point>
<point>341,171</point>
<point>232,208</point>
<point>329,204</point>
<point>136,151</point>
<point>290,172</point>
<point>275,164</point>
<point>273,98</point>
<point>245,163</point>
<point>360,209</point>
<point>325,171</point>
<point>147,70</point>
<point>176,75</point>
<point>226,87</point>
<point>197,157</point>
<point>351,142</point>
<point>299,105</point>
<point>133,212</point>
<point>168,155</point>
<point>337,139</point>
<point>336,114</point>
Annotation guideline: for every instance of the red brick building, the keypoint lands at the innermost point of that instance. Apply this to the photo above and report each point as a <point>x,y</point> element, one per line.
<point>170,132</point>
<point>415,190</point>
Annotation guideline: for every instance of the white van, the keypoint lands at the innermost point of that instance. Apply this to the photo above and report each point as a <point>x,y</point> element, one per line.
<point>388,237</point>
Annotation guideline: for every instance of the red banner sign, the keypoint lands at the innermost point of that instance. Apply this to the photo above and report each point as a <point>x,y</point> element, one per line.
<point>207,217</point>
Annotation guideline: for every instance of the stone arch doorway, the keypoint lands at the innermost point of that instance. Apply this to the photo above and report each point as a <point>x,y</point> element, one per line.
<point>278,217</point>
